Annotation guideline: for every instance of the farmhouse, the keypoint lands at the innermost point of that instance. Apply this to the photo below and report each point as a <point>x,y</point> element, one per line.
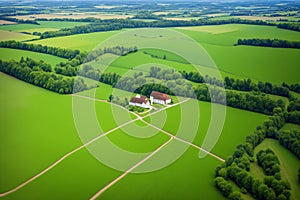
<point>140,101</point>
<point>160,98</point>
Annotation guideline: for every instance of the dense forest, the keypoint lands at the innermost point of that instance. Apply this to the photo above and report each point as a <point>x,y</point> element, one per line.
<point>276,43</point>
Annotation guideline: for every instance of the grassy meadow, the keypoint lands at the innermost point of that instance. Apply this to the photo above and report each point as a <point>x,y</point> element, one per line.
<point>8,35</point>
<point>16,54</point>
<point>42,27</point>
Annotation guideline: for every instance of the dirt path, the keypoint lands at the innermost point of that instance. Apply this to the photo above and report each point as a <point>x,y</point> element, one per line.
<point>130,170</point>
<point>184,141</point>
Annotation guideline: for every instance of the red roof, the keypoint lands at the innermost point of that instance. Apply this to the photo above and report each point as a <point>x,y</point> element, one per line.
<point>160,96</point>
<point>138,100</point>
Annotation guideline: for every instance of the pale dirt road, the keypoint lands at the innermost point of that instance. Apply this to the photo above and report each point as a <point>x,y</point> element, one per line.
<point>130,170</point>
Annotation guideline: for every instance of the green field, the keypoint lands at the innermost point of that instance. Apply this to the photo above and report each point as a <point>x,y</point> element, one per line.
<point>247,122</point>
<point>42,27</point>
<point>173,182</point>
<point>16,54</point>
<point>234,61</point>
<point>260,63</point>
<point>83,42</point>
<point>7,35</point>
<point>39,151</point>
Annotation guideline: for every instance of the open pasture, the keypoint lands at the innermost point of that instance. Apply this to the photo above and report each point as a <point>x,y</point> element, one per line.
<point>16,54</point>
<point>42,27</point>
<point>83,42</point>
<point>71,16</point>
<point>228,34</point>
<point>8,35</point>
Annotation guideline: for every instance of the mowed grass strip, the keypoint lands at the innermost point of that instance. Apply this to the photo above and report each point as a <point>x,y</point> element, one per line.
<point>16,54</point>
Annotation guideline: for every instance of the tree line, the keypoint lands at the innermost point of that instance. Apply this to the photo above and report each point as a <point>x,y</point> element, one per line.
<point>39,73</point>
<point>289,26</point>
<point>290,139</point>
<point>293,87</point>
<point>116,50</point>
<point>165,83</point>
<point>276,43</point>
<point>236,167</point>
<point>60,52</point>
<point>21,21</point>
<point>237,84</point>
<point>72,67</point>
<point>98,25</point>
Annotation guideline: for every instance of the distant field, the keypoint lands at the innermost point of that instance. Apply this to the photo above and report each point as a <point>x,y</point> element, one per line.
<point>262,18</point>
<point>228,34</point>
<point>264,64</point>
<point>16,54</point>
<point>7,35</point>
<point>73,16</point>
<point>289,164</point>
<point>3,22</point>
<point>84,42</point>
<point>43,27</point>
<point>182,18</point>
<point>260,63</point>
